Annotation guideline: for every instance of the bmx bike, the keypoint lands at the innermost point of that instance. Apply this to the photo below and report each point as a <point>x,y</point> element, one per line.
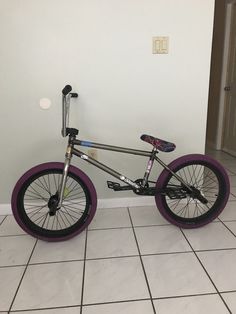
<point>55,201</point>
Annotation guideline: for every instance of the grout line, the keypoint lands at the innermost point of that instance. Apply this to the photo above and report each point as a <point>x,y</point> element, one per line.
<point>186,296</point>
<point>112,228</point>
<point>3,220</point>
<point>141,260</point>
<point>115,302</point>
<point>122,301</point>
<point>83,279</point>
<point>117,257</point>
<point>215,250</point>
<point>206,272</point>
<point>44,263</point>
<point>139,226</point>
<point>13,300</point>
<point>14,235</point>
<point>149,226</point>
<point>159,298</point>
<point>75,306</point>
<point>228,291</point>
<point>44,309</point>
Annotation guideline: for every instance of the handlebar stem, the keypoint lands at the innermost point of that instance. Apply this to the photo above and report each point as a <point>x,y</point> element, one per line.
<point>65,113</point>
<point>66,96</point>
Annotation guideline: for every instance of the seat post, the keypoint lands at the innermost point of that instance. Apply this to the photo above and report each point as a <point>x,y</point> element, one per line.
<point>149,166</point>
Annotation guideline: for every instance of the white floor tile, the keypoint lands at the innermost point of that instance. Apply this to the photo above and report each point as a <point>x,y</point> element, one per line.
<point>146,216</point>
<point>229,212</point>
<point>110,218</point>
<point>232,197</point>
<point>161,239</point>
<point>233,190</point>
<point>72,249</point>
<point>232,226</point>
<point>212,236</point>
<point>176,275</point>
<point>121,278</point>
<point>111,243</point>
<point>220,265</point>
<point>113,280</point>
<point>229,163</point>
<point>10,227</point>
<point>50,285</point>
<point>137,307</point>
<point>67,310</point>
<point>230,299</point>
<point>218,154</point>
<point>231,166</point>
<point>9,281</point>
<point>191,305</point>
<point>15,250</point>
<point>229,172</point>
<point>232,180</point>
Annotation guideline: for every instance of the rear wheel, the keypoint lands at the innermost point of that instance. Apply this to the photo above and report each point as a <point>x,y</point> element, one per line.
<point>210,191</point>
<point>37,192</point>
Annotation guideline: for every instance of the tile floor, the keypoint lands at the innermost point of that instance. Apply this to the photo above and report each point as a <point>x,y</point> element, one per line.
<point>129,261</point>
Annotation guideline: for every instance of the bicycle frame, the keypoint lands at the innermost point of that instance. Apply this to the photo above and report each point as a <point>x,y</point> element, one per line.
<point>71,150</point>
<point>111,171</point>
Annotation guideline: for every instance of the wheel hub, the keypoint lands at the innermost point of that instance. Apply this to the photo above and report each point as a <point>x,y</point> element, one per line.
<point>52,204</point>
<point>196,194</point>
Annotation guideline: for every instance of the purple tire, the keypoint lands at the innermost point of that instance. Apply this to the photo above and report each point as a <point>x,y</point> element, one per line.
<point>203,173</point>
<point>36,187</point>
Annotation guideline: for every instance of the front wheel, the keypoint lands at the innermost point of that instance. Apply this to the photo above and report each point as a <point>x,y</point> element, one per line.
<point>38,188</point>
<point>210,183</point>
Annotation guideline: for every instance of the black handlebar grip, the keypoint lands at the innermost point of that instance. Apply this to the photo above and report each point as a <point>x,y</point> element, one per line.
<point>66,90</point>
<point>74,95</point>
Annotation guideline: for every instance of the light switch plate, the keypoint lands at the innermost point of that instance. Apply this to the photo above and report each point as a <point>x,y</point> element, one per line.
<point>160,45</point>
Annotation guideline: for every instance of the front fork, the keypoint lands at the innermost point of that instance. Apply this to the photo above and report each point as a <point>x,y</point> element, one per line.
<point>64,175</point>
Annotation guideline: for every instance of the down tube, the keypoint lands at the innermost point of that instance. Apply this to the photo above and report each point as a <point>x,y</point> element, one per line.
<point>103,167</point>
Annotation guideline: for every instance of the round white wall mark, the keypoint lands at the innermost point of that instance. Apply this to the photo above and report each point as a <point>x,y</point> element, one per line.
<point>45,103</point>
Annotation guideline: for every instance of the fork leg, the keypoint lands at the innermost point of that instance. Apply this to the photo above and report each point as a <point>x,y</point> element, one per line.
<point>64,176</point>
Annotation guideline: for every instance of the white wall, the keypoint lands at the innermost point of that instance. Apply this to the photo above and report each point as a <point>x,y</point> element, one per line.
<point>103,48</point>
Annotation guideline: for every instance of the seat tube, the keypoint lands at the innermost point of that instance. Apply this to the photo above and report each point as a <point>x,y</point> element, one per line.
<point>65,172</point>
<point>149,167</point>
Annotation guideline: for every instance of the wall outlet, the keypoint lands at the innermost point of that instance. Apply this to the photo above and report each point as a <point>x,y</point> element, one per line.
<point>160,45</point>
<point>93,153</point>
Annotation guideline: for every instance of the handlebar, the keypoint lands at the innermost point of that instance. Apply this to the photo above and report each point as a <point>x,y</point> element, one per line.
<point>66,96</point>
<point>74,95</point>
<point>66,90</point>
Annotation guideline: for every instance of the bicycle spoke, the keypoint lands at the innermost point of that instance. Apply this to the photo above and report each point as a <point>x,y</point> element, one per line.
<point>36,200</point>
<point>203,179</point>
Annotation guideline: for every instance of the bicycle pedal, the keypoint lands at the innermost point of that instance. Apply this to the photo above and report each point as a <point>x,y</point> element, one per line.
<point>176,193</point>
<point>113,185</point>
<point>117,187</point>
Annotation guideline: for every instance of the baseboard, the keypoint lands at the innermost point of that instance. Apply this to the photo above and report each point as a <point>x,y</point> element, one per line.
<point>126,201</point>
<point>5,209</point>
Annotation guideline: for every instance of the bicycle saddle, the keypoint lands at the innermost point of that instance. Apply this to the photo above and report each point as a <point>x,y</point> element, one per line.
<point>158,143</point>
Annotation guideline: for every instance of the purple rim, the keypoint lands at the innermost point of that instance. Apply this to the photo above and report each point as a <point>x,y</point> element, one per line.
<point>54,165</point>
<point>172,166</point>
